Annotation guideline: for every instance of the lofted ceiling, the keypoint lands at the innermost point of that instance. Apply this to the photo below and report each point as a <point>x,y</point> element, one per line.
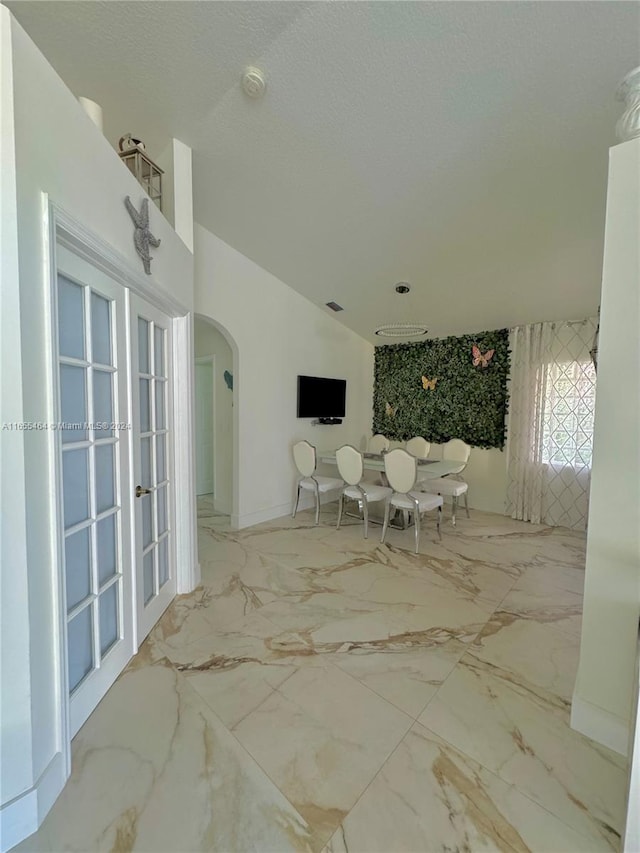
<point>459,146</point>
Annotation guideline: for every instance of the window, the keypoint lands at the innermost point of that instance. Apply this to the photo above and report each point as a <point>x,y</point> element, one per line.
<point>569,406</point>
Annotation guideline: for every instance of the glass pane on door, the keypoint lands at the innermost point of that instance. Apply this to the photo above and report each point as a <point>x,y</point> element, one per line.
<point>103,403</point>
<point>70,319</point>
<point>80,646</point>
<point>143,345</point>
<point>75,486</point>
<point>77,561</point>
<point>145,405</point>
<point>73,402</point>
<point>147,570</point>
<point>100,329</point>
<point>106,548</point>
<point>163,560</point>
<point>105,477</point>
<point>159,335</point>
<point>108,618</point>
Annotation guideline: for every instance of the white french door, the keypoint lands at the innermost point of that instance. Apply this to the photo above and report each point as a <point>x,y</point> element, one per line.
<point>154,548</point>
<point>93,452</point>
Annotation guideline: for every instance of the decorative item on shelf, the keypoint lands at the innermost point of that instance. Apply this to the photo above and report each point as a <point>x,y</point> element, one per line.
<point>593,352</point>
<point>142,237</point>
<point>628,126</point>
<point>146,172</point>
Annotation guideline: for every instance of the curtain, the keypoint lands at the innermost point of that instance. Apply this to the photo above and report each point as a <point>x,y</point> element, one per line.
<point>550,427</point>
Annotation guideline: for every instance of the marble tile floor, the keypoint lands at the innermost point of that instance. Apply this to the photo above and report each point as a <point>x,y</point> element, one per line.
<point>321,692</point>
<point>205,507</point>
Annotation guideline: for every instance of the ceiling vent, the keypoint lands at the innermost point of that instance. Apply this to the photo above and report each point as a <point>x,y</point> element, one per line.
<point>334,306</point>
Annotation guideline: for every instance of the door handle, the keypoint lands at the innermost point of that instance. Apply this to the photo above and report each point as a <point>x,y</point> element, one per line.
<point>140,491</point>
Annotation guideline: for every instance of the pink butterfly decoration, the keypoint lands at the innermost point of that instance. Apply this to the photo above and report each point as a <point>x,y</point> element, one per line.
<point>480,359</point>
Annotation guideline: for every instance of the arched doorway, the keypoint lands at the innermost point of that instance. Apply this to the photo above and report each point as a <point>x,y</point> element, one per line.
<point>215,393</point>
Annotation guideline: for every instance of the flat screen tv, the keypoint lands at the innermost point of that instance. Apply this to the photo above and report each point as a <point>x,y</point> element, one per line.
<point>321,398</point>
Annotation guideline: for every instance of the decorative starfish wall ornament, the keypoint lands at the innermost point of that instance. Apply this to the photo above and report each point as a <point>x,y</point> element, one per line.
<point>142,237</point>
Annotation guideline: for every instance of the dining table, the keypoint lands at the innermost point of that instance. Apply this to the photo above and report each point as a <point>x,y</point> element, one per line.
<point>428,469</point>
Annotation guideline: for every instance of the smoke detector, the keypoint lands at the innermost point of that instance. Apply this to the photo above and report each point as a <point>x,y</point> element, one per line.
<point>253,82</point>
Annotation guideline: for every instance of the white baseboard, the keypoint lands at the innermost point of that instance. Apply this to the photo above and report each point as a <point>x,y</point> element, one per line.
<point>221,505</point>
<point>18,819</point>
<point>22,816</point>
<point>238,522</point>
<point>600,725</point>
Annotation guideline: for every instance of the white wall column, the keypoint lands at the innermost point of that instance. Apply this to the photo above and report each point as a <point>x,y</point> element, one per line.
<point>16,818</point>
<point>602,699</point>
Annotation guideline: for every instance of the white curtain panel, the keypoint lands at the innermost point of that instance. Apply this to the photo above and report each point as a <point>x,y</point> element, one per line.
<point>550,428</point>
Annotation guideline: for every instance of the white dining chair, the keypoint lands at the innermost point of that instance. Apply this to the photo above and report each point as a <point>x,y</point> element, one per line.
<point>452,485</point>
<point>304,456</point>
<point>377,444</point>
<point>351,469</point>
<point>418,447</point>
<point>456,451</point>
<point>401,469</point>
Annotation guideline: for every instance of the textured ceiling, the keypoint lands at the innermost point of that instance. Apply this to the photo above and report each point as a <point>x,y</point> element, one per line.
<point>459,146</point>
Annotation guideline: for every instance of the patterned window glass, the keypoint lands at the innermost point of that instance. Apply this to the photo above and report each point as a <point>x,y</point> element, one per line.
<point>569,409</point>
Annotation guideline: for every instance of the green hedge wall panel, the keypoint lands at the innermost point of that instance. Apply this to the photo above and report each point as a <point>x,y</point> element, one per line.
<point>466,401</point>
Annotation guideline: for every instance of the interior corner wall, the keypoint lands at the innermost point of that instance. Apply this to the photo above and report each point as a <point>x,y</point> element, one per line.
<point>58,151</point>
<point>209,341</point>
<point>277,335</point>
<point>603,694</point>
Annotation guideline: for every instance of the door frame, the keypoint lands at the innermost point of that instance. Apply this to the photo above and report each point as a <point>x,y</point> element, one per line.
<point>60,228</point>
<point>210,359</point>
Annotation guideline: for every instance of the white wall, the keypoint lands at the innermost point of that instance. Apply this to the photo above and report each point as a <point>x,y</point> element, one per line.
<point>277,334</point>
<point>177,189</point>
<point>15,710</point>
<point>61,152</point>
<point>603,693</point>
<point>209,341</point>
